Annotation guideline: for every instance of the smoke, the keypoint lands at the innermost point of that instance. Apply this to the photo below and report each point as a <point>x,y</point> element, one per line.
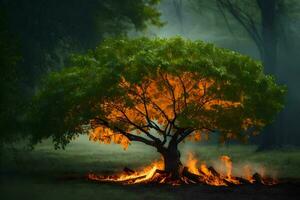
<point>244,160</point>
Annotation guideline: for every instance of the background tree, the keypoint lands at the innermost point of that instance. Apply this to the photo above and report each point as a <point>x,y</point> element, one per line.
<point>263,21</point>
<point>44,33</point>
<point>178,10</point>
<point>50,30</point>
<point>9,83</point>
<point>263,30</point>
<point>159,92</point>
<point>261,27</point>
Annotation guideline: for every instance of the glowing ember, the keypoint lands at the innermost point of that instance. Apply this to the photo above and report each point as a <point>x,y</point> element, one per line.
<point>191,174</point>
<point>144,175</point>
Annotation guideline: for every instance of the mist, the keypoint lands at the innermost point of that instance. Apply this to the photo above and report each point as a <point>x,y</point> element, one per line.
<point>207,24</point>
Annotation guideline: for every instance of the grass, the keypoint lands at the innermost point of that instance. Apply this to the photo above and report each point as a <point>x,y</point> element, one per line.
<point>33,174</point>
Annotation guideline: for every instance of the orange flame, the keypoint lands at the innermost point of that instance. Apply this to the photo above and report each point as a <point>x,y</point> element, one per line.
<point>228,164</point>
<point>208,175</point>
<point>248,173</point>
<point>192,164</point>
<point>143,175</point>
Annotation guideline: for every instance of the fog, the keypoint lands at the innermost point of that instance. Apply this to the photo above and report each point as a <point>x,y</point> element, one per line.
<point>207,24</point>
<point>46,33</point>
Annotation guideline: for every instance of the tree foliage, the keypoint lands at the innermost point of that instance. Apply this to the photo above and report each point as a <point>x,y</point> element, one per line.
<point>267,23</point>
<point>154,91</point>
<point>9,82</point>
<point>262,20</point>
<point>50,30</point>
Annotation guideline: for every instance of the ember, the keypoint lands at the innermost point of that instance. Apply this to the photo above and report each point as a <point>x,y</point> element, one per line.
<point>192,173</point>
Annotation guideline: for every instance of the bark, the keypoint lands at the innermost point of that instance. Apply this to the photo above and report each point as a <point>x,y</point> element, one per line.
<point>172,163</point>
<point>178,10</point>
<point>269,57</point>
<point>269,34</point>
<point>265,36</point>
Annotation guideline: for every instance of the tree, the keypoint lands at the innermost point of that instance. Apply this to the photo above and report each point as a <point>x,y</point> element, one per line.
<point>265,29</point>
<point>9,83</point>
<point>44,33</point>
<point>179,14</point>
<point>262,30</point>
<point>50,30</point>
<point>158,92</point>
<point>262,21</point>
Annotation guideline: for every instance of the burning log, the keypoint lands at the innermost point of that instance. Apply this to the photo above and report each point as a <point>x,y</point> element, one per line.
<point>216,175</point>
<point>161,171</point>
<point>243,180</point>
<point>214,172</point>
<point>128,171</point>
<point>257,178</point>
<point>190,176</point>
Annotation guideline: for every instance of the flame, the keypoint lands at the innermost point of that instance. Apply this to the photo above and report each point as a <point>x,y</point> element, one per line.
<point>201,174</point>
<point>228,164</point>
<point>192,164</point>
<point>144,175</point>
<point>248,173</point>
<point>206,175</point>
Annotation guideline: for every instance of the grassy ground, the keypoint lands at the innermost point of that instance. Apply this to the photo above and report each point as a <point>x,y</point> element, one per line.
<point>36,174</point>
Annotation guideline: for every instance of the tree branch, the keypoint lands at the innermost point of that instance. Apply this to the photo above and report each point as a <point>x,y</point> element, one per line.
<point>244,19</point>
<point>185,133</point>
<point>184,91</point>
<point>225,19</point>
<point>155,139</point>
<point>130,136</point>
<point>150,122</point>
<point>171,90</point>
<point>143,100</point>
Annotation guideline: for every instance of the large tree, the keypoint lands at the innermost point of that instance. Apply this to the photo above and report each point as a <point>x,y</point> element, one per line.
<point>158,92</point>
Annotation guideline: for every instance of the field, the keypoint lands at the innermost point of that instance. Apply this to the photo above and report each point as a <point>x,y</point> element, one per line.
<point>39,174</point>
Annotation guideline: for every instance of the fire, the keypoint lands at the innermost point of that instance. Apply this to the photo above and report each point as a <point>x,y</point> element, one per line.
<point>192,164</point>
<point>131,177</point>
<point>191,174</point>
<point>248,173</point>
<point>209,175</point>
<point>228,164</point>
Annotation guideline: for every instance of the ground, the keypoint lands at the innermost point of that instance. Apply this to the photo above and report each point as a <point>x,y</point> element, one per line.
<point>40,174</point>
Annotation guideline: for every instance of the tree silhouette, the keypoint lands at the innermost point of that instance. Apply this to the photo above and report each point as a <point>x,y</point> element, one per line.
<point>158,92</point>
<point>9,83</point>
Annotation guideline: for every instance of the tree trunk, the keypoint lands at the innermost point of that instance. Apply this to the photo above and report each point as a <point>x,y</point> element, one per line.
<point>178,11</point>
<point>269,35</point>
<point>269,57</point>
<point>172,162</point>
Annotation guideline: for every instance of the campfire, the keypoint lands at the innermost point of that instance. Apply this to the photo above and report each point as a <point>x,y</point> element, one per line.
<point>191,173</point>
